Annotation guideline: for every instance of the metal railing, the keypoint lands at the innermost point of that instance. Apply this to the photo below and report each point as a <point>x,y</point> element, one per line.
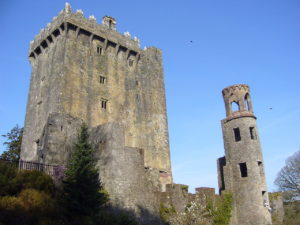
<point>25,165</point>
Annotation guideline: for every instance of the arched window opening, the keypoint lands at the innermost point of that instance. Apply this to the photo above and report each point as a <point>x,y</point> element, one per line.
<point>247,107</point>
<point>235,106</point>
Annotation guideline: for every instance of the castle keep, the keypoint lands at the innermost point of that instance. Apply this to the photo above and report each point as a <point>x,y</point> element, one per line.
<point>85,72</point>
<point>241,171</point>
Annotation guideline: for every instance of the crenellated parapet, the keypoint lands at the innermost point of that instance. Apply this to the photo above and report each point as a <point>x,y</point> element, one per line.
<point>237,101</point>
<point>105,32</point>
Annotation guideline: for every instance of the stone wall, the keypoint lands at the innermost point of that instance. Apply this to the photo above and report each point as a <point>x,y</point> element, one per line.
<point>276,204</point>
<point>91,72</point>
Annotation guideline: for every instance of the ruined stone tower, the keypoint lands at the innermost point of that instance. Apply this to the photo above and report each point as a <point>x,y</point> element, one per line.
<point>87,72</point>
<point>241,171</point>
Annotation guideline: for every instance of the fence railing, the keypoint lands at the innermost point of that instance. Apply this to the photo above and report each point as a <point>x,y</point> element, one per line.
<point>25,165</point>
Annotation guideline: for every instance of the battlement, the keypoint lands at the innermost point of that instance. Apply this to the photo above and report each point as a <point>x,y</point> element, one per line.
<point>234,89</point>
<point>237,101</point>
<point>67,19</point>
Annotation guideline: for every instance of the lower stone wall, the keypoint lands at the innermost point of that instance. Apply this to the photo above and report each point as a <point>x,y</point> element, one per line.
<point>277,209</point>
<point>123,174</point>
<point>132,187</point>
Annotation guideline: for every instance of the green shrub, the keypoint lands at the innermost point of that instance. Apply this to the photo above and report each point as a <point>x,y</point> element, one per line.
<point>8,172</point>
<point>29,207</point>
<point>166,212</point>
<point>221,213</point>
<point>81,194</point>
<point>33,179</point>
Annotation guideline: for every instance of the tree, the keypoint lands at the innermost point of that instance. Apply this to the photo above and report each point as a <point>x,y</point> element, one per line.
<point>82,190</point>
<point>288,179</point>
<point>13,143</point>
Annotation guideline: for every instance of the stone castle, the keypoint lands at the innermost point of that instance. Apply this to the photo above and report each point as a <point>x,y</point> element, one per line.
<point>85,72</point>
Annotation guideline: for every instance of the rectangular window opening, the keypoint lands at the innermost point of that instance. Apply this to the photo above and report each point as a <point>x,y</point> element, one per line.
<point>237,134</point>
<point>130,62</point>
<point>259,163</point>
<point>243,169</point>
<point>252,133</point>
<point>99,50</point>
<point>103,104</point>
<point>102,80</point>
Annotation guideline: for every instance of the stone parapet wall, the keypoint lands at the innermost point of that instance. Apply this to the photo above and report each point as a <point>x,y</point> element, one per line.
<point>59,24</point>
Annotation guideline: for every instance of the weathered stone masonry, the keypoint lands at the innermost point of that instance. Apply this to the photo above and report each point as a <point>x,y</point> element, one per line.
<point>84,72</point>
<point>241,171</point>
<point>88,72</point>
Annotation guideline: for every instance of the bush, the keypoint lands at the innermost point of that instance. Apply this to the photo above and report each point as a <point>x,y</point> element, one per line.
<point>8,171</point>
<point>26,197</point>
<point>29,207</point>
<point>221,213</point>
<point>33,179</point>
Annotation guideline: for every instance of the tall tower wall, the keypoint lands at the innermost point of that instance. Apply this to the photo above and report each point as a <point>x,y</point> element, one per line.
<point>242,169</point>
<point>45,91</point>
<point>91,72</point>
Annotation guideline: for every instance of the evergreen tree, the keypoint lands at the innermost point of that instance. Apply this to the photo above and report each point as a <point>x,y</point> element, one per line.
<point>82,189</point>
<point>13,143</point>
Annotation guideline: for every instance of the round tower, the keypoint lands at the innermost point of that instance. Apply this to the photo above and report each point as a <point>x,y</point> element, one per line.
<point>242,169</point>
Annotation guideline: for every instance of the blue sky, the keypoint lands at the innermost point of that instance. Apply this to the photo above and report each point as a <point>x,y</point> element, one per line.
<point>254,42</point>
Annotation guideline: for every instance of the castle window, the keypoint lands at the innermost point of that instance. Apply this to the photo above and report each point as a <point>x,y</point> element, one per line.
<point>247,106</point>
<point>243,170</point>
<point>99,50</point>
<point>237,134</point>
<point>235,106</point>
<point>103,104</point>
<point>252,133</point>
<point>102,80</point>
<point>261,170</point>
<point>130,62</point>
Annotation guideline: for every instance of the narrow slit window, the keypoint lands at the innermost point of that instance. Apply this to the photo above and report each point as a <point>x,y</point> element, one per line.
<point>103,104</point>
<point>237,134</point>
<point>102,80</point>
<point>252,133</point>
<point>99,50</point>
<point>260,167</point>
<point>130,62</point>
<point>243,170</point>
